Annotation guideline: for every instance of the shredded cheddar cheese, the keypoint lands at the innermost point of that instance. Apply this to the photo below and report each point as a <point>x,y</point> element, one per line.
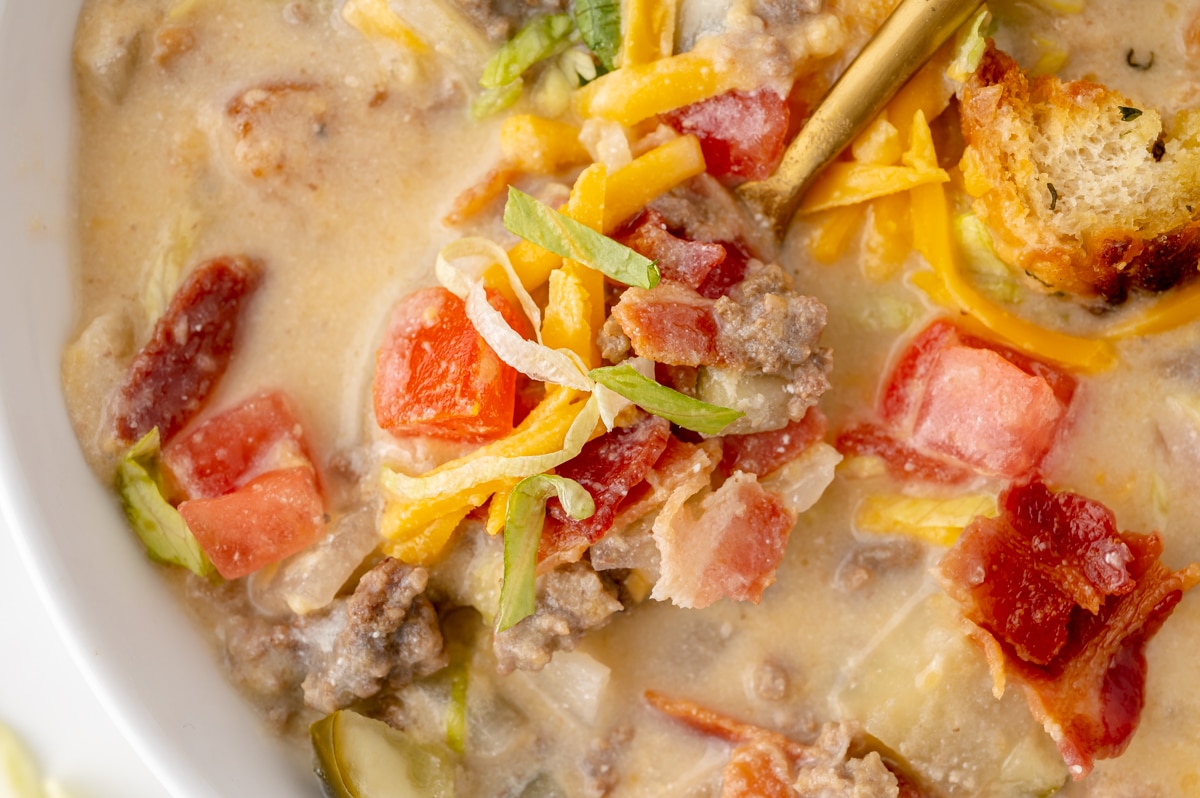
<point>648,31</point>
<point>375,19</point>
<point>640,91</point>
<point>634,185</point>
<point>540,145</point>
<point>936,521</point>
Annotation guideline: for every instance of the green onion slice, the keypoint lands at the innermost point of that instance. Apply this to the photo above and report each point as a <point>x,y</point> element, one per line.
<point>562,235</point>
<point>523,534</point>
<point>159,525</point>
<point>678,408</point>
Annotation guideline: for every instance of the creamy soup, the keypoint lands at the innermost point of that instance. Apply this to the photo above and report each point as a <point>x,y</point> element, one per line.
<point>323,153</point>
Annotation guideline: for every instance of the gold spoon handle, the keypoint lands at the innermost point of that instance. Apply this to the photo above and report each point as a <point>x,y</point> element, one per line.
<point>906,40</point>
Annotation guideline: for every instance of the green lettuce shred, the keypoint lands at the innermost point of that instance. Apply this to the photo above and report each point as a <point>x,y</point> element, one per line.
<point>562,235</point>
<point>599,23</point>
<point>159,525</point>
<point>541,38</point>
<point>523,534</point>
<point>970,47</point>
<point>659,400</point>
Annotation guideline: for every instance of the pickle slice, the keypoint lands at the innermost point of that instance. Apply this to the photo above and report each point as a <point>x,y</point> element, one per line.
<point>357,757</point>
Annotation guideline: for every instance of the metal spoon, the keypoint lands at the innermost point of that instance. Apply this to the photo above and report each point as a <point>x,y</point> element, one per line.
<point>905,41</point>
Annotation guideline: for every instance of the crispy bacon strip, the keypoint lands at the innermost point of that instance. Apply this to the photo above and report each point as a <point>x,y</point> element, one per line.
<point>730,548</point>
<point>679,259</point>
<point>173,375</point>
<point>761,453</point>
<point>765,764</point>
<point>608,468</point>
<point>670,324</point>
<point>1066,604</point>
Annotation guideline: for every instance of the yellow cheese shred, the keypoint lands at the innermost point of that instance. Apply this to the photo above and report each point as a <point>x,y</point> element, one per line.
<point>375,19</point>
<point>936,521</point>
<point>543,146</point>
<point>648,31</point>
<point>640,91</point>
<point>933,239</point>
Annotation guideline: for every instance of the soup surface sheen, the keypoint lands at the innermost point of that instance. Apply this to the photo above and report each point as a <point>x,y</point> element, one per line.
<point>279,131</point>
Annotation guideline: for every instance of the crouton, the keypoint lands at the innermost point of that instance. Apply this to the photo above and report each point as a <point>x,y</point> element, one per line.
<point>1079,185</point>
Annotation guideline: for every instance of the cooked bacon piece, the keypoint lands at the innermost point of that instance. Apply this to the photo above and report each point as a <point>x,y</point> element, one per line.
<point>764,763</point>
<point>173,375</point>
<point>1081,533</point>
<point>760,453</point>
<point>669,324</point>
<point>902,461</point>
<point>1069,604</point>
<point>608,467</point>
<point>679,259</point>
<point>681,466</point>
<point>730,549</point>
<point>742,134</point>
<point>729,272</point>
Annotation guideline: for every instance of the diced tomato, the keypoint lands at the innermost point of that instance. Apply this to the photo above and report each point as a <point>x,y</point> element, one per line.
<point>679,259</point>
<point>742,134</point>
<point>435,375</point>
<point>955,395</point>
<point>982,410</point>
<point>224,452</point>
<point>762,452</point>
<point>608,468</point>
<point>269,518</point>
<point>173,375</point>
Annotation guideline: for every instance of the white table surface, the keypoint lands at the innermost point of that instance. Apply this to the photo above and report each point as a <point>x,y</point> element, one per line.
<point>45,699</point>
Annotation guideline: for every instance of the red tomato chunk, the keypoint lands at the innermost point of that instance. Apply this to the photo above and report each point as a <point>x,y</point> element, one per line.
<point>961,399</point>
<point>742,134</point>
<point>269,518</point>
<point>223,452</point>
<point>434,374</point>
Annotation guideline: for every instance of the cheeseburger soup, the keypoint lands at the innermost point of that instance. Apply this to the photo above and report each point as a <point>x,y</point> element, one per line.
<point>499,452</point>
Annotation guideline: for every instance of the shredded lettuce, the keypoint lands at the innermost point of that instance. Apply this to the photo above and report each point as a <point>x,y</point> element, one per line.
<point>992,275</point>
<point>678,408</point>
<point>970,47</point>
<point>456,714</point>
<point>541,38</point>
<point>599,23</point>
<point>159,525</point>
<point>562,235</point>
<point>460,266</point>
<point>523,534</point>
<point>493,101</point>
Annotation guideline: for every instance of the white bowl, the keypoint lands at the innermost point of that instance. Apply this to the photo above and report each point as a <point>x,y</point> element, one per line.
<point>140,652</point>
